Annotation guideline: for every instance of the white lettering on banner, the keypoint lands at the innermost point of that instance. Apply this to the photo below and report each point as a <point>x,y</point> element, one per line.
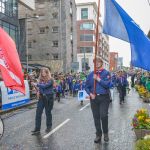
<point>4,63</point>
<point>3,58</point>
<point>10,73</point>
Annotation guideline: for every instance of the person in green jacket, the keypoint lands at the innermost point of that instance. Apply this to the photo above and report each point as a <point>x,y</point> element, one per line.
<point>143,79</point>
<point>148,84</point>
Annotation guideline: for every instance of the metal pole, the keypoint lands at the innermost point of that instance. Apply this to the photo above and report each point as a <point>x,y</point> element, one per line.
<point>96,43</point>
<point>60,35</point>
<point>84,60</point>
<point>27,51</point>
<point>84,48</point>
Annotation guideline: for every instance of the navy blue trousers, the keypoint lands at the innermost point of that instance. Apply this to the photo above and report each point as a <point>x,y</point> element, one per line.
<point>47,103</point>
<point>99,108</point>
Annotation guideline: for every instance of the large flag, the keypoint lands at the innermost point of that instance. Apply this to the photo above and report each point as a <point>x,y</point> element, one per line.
<point>10,65</point>
<point>119,24</point>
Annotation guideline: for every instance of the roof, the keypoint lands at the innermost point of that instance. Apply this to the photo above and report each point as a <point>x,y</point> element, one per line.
<point>30,4</point>
<point>88,3</point>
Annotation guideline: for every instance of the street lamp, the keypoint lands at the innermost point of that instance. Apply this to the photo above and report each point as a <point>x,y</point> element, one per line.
<point>27,50</point>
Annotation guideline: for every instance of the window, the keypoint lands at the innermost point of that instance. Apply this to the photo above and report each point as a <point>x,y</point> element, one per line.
<point>12,34</point>
<point>42,30</point>
<point>84,62</point>
<point>55,56</point>
<point>86,49</point>
<point>55,29</point>
<point>86,37</point>
<point>9,7</point>
<point>55,43</point>
<point>10,29</point>
<point>84,13</point>
<point>55,15</point>
<point>87,26</point>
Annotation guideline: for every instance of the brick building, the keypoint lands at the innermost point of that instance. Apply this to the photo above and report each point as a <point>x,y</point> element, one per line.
<point>86,30</point>
<point>113,61</point>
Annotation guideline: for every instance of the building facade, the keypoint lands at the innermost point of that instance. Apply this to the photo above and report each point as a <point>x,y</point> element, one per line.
<point>113,61</point>
<point>9,17</point>
<point>51,39</point>
<point>104,49</point>
<point>86,31</point>
<point>120,63</point>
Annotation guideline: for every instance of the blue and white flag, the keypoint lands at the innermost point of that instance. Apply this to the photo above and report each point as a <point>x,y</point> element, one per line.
<point>119,24</point>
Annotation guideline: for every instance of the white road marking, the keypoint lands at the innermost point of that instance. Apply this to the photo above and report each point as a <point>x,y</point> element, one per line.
<point>58,127</point>
<point>84,107</point>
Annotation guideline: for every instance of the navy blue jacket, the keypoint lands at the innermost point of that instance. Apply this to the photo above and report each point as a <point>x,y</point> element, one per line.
<point>122,81</point>
<point>46,88</point>
<point>102,87</point>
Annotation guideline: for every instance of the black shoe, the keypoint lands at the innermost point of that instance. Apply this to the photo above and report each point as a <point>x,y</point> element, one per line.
<point>35,132</point>
<point>48,129</point>
<point>106,138</point>
<point>81,103</point>
<point>97,139</point>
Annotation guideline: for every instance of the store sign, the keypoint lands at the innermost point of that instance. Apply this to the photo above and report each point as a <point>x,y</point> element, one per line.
<point>12,98</point>
<point>82,95</point>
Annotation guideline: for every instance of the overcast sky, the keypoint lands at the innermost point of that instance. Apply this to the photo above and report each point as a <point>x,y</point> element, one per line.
<point>139,10</point>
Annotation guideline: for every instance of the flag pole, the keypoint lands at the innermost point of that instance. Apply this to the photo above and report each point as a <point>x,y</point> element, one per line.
<point>96,43</point>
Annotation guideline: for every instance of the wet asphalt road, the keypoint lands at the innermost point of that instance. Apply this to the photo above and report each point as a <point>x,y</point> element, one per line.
<point>73,127</point>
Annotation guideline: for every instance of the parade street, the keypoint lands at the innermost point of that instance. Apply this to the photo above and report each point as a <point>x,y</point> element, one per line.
<point>73,127</point>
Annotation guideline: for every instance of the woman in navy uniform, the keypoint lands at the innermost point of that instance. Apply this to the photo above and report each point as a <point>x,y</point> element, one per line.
<point>45,95</point>
<point>99,99</point>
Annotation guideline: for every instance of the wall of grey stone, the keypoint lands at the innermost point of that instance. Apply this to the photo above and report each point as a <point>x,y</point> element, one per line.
<point>42,50</point>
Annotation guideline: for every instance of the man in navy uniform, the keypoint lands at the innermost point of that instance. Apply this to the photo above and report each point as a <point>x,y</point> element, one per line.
<point>99,99</point>
<point>122,84</point>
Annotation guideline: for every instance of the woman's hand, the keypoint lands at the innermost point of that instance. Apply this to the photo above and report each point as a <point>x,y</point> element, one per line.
<point>92,96</point>
<point>33,84</point>
<point>96,78</point>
